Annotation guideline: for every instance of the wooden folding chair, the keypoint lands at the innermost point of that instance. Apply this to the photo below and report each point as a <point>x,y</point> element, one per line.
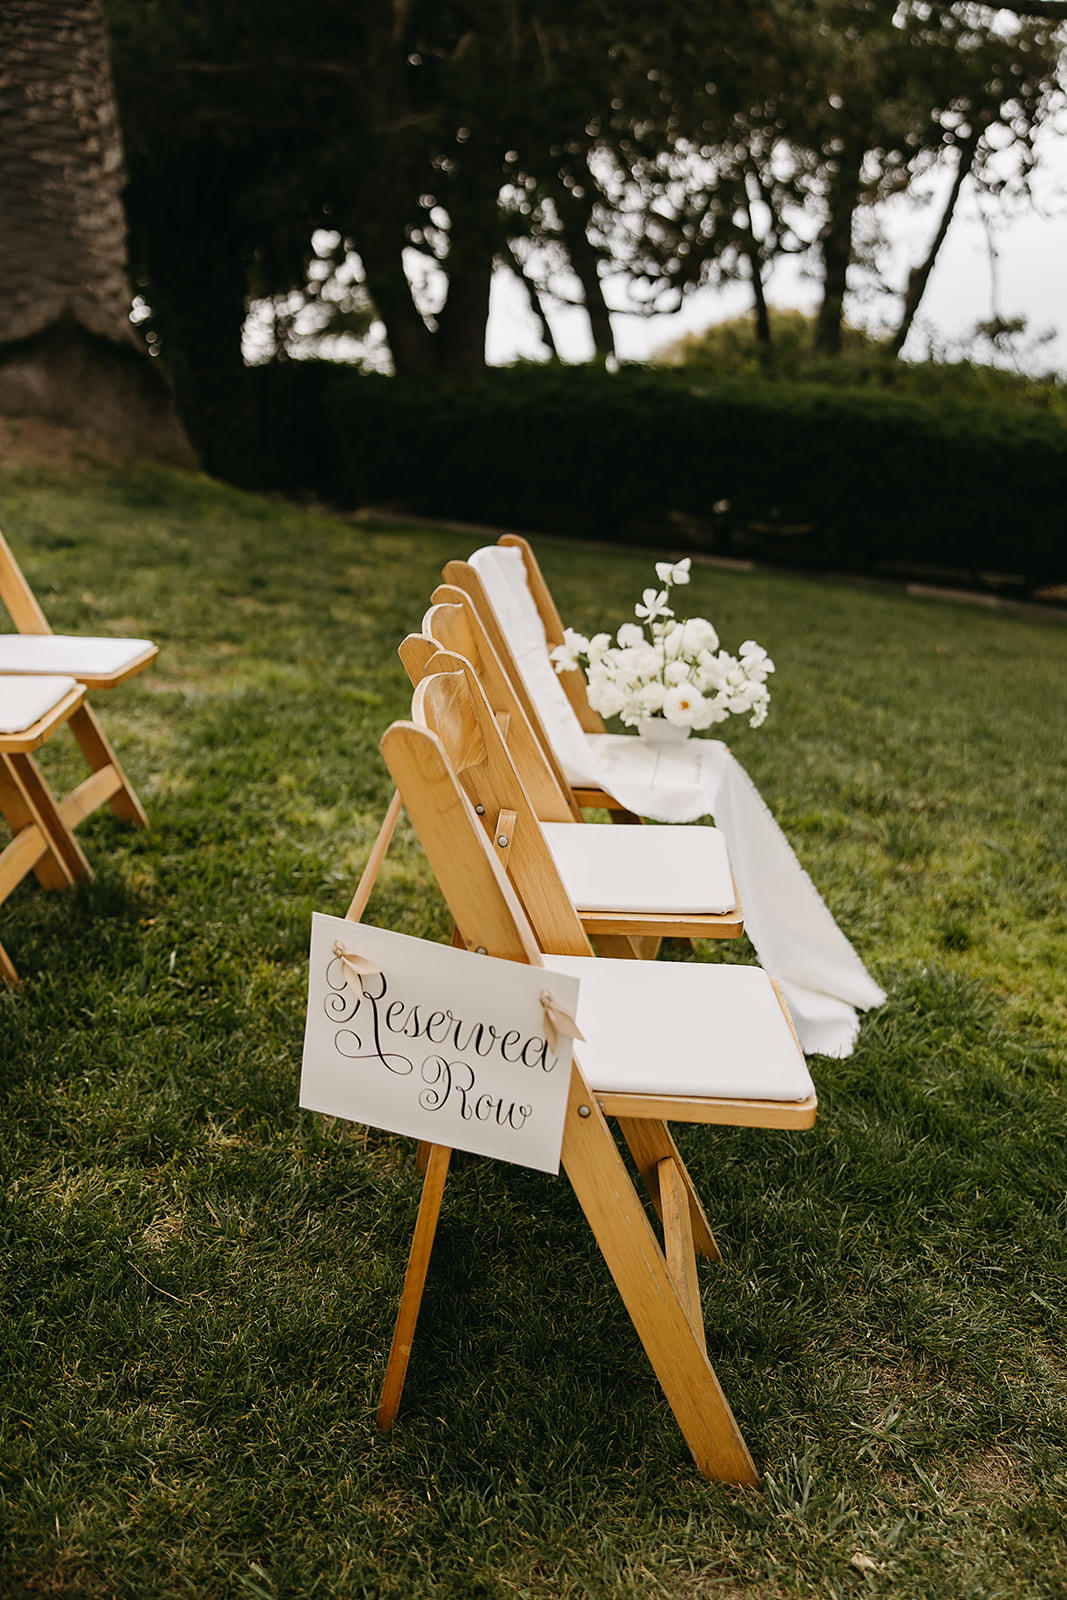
<point>734,1061</point>
<point>790,926</point>
<point>631,888</point>
<point>97,663</point>
<point>31,710</point>
<point>461,575</point>
<point>631,891</point>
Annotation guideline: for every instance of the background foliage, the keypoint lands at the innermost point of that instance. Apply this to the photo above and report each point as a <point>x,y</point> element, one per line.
<point>819,475</point>
<point>381,161</point>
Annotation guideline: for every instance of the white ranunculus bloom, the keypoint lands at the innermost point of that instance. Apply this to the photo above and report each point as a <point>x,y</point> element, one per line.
<point>630,634</point>
<point>597,645</point>
<point>652,697</point>
<point>676,672</point>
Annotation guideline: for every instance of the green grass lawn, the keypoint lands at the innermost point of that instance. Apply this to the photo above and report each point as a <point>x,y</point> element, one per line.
<point>199,1279</point>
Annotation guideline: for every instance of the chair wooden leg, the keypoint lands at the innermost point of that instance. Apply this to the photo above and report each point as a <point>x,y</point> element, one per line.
<point>109,782</point>
<point>433,1189</point>
<point>650,1144</point>
<point>30,849</point>
<point>370,872</point>
<point>55,828</point>
<point>639,1268</point>
<point>7,968</point>
<point>678,1244</point>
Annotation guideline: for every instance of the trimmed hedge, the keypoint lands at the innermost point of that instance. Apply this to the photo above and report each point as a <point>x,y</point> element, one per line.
<point>804,474</point>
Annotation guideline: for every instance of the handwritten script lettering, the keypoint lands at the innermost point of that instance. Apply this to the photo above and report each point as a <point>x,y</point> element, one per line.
<point>447,1079</point>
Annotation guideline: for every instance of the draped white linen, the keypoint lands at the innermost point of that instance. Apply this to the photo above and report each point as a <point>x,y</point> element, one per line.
<point>790,926</point>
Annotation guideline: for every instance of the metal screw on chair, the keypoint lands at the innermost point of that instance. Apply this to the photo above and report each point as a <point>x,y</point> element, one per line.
<point>480,811</point>
<point>584,1111</point>
<point>502,841</point>
<point>480,950</point>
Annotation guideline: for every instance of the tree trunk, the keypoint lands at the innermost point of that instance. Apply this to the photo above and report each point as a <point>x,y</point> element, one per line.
<point>532,294</point>
<point>474,237</point>
<point>763,318</point>
<point>584,260</point>
<point>836,246</point>
<point>919,276</point>
<point>755,262</point>
<point>196,285</point>
<point>576,216</point>
<point>67,350</point>
<point>465,316</point>
<point>380,244</point>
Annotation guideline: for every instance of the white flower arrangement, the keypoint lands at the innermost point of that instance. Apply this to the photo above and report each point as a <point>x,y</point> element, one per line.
<point>675,670</point>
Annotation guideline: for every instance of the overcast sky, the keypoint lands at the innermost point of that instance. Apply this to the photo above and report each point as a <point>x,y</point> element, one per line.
<point>1030,280</point>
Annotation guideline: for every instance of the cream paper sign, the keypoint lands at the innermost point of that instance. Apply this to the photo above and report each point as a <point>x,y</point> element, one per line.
<point>426,1040</point>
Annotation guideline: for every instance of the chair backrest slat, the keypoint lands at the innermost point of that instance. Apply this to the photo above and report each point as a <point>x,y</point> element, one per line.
<point>484,905</point>
<point>451,704</point>
<point>442,704</point>
<point>17,595</point>
<point>454,622</point>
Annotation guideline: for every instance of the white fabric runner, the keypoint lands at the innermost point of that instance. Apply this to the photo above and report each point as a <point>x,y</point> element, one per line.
<point>791,929</point>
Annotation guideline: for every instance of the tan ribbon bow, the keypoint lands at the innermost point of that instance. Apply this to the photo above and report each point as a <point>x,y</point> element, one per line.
<point>557,1021</point>
<point>355,966</point>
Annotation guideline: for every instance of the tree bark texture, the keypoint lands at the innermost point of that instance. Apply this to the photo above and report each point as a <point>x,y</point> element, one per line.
<point>67,350</point>
<point>835,245</point>
<point>919,276</point>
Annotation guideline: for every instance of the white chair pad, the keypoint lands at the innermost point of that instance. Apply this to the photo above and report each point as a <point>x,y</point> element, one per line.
<point>25,700</point>
<point>58,652</point>
<point>674,1028</point>
<point>609,868</point>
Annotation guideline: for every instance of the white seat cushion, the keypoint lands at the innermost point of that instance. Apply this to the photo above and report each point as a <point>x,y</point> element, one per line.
<point>25,700</point>
<point>58,652</point>
<point>675,1028</point>
<point>642,869</point>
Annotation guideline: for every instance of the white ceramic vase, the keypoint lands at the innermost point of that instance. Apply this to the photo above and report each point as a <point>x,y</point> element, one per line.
<point>658,731</point>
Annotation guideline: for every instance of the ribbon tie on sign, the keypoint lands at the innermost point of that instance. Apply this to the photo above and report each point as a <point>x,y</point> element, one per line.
<point>557,1022</point>
<point>355,966</point>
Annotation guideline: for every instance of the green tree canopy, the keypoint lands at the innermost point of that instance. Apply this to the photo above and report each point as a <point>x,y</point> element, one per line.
<point>673,146</point>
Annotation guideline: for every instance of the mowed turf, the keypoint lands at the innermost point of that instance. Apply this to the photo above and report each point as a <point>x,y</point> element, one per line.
<point>199,1279</point>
